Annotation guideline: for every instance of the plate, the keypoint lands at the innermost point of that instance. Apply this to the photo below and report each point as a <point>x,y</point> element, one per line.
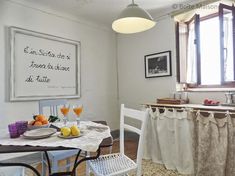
<point>69,137</point>
<point>32,127</point>
<point>39,133</point>
<point>211,104</point>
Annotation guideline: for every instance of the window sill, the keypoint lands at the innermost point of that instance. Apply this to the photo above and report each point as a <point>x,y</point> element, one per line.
<point>232,89</point>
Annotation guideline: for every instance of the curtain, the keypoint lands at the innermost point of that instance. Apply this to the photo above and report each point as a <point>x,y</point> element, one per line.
<point>184,147</point>
<point>165,132</point>
<point>183,37</point>
<point>200,144</point>
<point>191,56</point>
<point>213,145</point>
<point>168,140</point>
<point>152,146</point>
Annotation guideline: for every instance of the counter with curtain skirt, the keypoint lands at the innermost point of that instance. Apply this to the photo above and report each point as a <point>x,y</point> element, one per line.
<point>191,142</point>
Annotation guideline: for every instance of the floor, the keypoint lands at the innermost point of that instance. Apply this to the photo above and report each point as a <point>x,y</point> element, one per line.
<point>149,168</point>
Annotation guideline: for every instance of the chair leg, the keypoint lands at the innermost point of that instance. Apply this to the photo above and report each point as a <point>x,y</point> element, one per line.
<point>44,168</point>
<point>87,164</point>
<point>23,171</point>
<point>87,169</point>
<point>43,162</point>
<point>54,166</point>
<point>67,164</point>
<point>139,171</point>
<point>110,149</point>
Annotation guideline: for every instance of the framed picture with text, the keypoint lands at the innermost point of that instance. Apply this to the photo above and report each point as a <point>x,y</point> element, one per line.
<point>158,64</point>
<point>43,66</point>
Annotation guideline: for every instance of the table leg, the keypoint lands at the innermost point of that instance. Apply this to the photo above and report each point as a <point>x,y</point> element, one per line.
<point>48,162</point>
<point>21,164</point>
<point>76,159</point>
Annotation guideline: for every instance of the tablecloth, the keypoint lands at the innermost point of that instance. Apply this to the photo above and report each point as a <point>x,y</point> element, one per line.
<point>89,141</point>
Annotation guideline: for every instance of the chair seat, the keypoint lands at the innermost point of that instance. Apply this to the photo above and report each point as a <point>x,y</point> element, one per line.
<point>112,164</point>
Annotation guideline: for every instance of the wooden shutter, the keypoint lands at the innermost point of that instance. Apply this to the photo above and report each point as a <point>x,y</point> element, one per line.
<point>224,50</point>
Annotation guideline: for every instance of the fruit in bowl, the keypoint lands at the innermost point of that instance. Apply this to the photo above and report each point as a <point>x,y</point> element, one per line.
<point>208,102</point>
<point>40,121</point>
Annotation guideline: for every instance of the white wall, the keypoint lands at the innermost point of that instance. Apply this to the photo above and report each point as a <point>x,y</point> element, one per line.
<point>98,63</point>
<point>134,88</point>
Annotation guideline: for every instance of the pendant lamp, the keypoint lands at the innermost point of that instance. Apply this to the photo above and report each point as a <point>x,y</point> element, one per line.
<point>133,19</point>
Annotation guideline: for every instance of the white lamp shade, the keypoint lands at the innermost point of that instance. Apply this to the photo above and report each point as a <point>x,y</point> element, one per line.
<point>133,19</point>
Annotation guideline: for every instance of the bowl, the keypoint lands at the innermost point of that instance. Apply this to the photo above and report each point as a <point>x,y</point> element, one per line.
<point>32,127</point>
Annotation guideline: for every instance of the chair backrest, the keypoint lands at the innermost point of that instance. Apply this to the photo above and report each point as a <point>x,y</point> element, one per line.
<point>137,115</point>
<point>52,105</point>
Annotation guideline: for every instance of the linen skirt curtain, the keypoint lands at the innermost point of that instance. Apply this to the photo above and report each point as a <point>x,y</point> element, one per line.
<point>191,143</point>
<point>213,141</point>
<point>168,140</point>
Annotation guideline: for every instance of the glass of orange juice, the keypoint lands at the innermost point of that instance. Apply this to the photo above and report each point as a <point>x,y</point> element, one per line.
<point>65,111</point>
<point>77,109</point>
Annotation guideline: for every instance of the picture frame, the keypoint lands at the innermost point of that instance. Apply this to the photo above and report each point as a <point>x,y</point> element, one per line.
<point>158,64</point>
<point>43,66</point>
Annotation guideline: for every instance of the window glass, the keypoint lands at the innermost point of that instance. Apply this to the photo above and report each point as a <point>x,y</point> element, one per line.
<point>210,51</point>
<point>228,45</point>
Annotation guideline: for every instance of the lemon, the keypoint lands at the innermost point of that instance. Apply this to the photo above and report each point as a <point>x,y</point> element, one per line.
<point>65,131</point>
<point>75,130</point>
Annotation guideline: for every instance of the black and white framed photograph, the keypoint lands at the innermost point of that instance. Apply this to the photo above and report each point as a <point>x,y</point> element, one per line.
<point>158,64</point>
<point>43,66</point>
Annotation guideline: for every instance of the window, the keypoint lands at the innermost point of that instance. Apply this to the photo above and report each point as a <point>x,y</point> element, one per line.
<point>206,49</point>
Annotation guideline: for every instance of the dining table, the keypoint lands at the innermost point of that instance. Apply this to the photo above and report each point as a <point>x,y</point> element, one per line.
<point>14,148</point>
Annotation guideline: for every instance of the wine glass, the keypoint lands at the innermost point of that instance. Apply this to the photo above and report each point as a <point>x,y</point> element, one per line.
<point>77,109</point>
<point>65,110</point>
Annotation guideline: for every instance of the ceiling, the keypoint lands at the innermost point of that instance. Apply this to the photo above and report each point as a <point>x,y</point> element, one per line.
<point>99,11</point>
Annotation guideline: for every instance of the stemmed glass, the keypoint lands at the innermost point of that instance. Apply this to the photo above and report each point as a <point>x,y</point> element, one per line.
<point>65,110</point>
<point>77,109</point>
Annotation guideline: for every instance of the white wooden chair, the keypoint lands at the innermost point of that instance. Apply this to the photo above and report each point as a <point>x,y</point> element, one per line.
<point>55,156</point>
<point>119,163</point>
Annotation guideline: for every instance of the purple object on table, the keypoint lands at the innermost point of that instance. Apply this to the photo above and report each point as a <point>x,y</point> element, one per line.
<point>21,126</point>
<point>12,128</point>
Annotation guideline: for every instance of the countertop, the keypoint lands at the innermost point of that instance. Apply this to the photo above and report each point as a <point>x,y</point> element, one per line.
<point>194,106</point>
